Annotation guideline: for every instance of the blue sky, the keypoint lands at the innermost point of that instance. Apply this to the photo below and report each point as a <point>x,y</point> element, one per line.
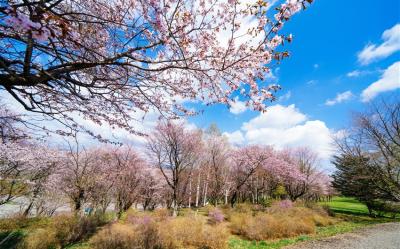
<point>325,62</point>
<point>340,49</point>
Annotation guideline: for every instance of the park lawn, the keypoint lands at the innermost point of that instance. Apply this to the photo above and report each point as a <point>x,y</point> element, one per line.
<point>347,205</point>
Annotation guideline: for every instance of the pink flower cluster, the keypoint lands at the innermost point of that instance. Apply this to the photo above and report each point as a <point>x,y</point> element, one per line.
<point>216,216</point>
<point>23,24</point>
<point>285,204</point>
<point>140,220</point>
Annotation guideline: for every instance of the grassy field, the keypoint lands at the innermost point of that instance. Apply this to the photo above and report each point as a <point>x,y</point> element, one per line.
<point>347,205</point>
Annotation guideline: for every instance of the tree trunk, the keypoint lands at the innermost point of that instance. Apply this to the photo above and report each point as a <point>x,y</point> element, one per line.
<point>28,209</point>
<point>190,191</point>
<point>198,189</point>
<point>205,190</point>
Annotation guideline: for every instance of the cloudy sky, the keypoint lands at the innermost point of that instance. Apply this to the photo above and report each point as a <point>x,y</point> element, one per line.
<point>344,54</point>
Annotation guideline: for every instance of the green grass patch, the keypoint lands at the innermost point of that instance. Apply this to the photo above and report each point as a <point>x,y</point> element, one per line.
<point>11,239</point>
<point>237,243</point>
<point>347,205</point>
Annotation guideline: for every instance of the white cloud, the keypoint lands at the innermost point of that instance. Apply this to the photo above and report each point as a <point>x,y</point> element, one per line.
<point>141,121</point>
<point>238,106</point>
<point>359,73</point>
<point>354,73</point>
<point>390,45</point>
<point>235,138</point>
<point>286,96</point>
<point>389,81</point>
<point>276,116</point>
<point>340,97</point>
<point>285,126</point>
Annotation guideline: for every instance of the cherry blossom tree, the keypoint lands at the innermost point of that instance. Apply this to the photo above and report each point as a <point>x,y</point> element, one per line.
<point>110,61</point>
<point>24,171</point>
<point>101,193</point>
<point>303,162</point>
<point>174,150</point>
<point>77,175</point>
<point>245,162</point>
<point>128,175</point>
<point>151,188</point>
<point>216,158</point>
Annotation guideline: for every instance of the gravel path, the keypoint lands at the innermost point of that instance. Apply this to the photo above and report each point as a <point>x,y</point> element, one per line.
<point>382,236</point>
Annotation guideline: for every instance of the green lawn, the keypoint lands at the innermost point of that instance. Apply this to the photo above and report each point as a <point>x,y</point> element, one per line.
<point>347,205</point>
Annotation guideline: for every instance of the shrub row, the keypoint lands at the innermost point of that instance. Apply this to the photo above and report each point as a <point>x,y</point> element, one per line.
<point>174,233</point>
<point>278,223</point>
<point>62,231</point>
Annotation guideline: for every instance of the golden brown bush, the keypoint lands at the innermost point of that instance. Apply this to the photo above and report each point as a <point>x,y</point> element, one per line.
<point>173,233</point>
<point>72,228</point>
<point>244,208</point>
<point>192,233</point>
<point>215,237</point>
<point>116,236</point>
<point>162,214</point>
<point>40,239</point>
<point>239,222</point>
<point>278,223</point>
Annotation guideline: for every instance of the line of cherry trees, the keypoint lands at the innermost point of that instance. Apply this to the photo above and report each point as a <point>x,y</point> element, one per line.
<point>178,167</point>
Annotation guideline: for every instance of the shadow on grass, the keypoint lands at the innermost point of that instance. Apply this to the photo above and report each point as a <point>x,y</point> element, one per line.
<point>349,211</point>
<point>10,240</point>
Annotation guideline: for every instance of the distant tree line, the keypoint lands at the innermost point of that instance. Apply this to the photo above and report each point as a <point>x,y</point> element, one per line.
<point>179,167</point>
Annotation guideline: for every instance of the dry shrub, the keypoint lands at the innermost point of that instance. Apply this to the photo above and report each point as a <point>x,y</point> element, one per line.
<point>228,213</point>
<point>40,239</point>
<point>215,216</point>
<point>317,215</point>
<point>267,226</point>
<point>329,210</point>
<point>177,233</point>
<point>18,221</point>
<point>116,236</point>
<point>192,233</point>
<point>70,229</point>
<point>239,222</point>
<point>162,214</point>
<point>148,235</point>
<point>215,237</point>
<point>62,231</point>
<point>277,223</point>
<point>181,232</point>
<point>243,208</point>
<point>134,216</point>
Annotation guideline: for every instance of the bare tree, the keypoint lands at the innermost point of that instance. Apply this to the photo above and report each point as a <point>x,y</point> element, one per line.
<point>174,150</point>
<point>375,135</point>
<point>216,157</point>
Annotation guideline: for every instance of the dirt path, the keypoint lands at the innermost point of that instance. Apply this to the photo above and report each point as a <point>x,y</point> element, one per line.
<point>382,236</point>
